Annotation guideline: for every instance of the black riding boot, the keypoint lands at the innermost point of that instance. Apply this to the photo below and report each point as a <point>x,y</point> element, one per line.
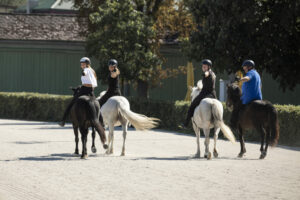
<point>67,111</point>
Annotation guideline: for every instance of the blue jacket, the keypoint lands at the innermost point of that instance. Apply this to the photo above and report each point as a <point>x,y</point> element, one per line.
<point>251,89</point>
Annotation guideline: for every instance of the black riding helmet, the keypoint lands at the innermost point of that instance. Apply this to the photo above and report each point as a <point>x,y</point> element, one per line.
<point>113,62</point>
<point>207,62</point>
<point>248,63</point>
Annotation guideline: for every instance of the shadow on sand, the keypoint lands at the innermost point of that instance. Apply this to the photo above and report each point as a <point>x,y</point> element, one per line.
<point>181,158</point>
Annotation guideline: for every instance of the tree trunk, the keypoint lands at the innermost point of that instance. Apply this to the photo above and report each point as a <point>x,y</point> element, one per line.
<point>142,89</point>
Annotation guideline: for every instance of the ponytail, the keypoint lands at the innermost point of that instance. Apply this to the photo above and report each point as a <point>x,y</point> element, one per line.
<point>89,66</point>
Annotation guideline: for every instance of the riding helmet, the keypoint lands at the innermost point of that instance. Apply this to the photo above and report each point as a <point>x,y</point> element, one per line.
<point>85,60</point>
<point>113,62</point>
<point>248,63</point>
<point>206,62</point>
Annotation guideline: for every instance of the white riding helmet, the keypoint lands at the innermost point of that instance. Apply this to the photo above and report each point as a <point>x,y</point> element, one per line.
<point>85,60</point>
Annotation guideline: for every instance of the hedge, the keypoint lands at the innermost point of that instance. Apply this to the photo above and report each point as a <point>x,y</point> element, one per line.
<point>46,107</point>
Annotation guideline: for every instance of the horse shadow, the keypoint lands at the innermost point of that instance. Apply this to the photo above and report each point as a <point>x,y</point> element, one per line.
<point>193,158</point>
<point>57,157</point>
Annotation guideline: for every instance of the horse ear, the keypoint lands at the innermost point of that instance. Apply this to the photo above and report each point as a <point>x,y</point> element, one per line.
<point>71,88</point>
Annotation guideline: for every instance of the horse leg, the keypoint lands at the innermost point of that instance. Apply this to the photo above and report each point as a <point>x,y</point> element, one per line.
<point>124,127</point>
<point>84,132</point>
<point>110,139</point>
<point>263,135</point>
<point>207,154</point>
<point>197,131</point>
<point>94,150</point>
<point>216,134</point>
<point>268,132</point>
<point>241,137</point>
<point>75,128</point>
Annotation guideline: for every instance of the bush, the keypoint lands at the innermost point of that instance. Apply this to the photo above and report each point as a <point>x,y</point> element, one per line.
<point>32,106</point>
<point>46,107</point>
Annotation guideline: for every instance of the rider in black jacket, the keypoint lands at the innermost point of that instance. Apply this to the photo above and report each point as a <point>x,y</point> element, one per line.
<point>208,90</point>
<point>113,84</point>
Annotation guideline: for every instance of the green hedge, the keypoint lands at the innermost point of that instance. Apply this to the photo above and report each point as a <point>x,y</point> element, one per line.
<point>45,107</point>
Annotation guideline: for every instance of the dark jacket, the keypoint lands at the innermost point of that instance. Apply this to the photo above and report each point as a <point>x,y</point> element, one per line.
<point>209,85</point>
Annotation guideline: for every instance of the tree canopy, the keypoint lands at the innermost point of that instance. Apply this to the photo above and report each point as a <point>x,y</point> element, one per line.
<point>266,31</point>
<point>123,33</point>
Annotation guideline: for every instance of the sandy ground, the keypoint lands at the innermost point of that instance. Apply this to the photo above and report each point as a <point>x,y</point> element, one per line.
<point>37,162</point>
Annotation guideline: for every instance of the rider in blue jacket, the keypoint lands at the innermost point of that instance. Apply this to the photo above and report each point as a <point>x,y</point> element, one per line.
<point>251,89</point>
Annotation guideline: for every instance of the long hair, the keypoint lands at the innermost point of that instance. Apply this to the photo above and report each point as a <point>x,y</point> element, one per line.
<point>89,66</point>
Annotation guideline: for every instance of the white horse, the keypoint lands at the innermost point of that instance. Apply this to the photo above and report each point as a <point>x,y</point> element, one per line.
<point>115,112</point>
<point>209,114</point>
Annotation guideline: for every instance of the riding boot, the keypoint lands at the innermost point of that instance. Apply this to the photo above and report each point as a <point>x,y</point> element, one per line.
<point>67,111</point>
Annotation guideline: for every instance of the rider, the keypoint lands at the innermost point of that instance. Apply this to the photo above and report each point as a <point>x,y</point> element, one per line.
<point>208,90</point>
<point>251,89</point>
<point>89,82</point>
<point>113,84</point>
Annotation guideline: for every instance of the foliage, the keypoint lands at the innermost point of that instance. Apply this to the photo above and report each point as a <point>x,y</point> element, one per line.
<point>174,21</point>
<point>125,34</point>
<point>266,31</point>
<point>131,32</point>
<point>45,107</point>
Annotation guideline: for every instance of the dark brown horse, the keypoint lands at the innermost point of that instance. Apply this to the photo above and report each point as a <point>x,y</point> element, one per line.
<point>260,115</point>
<point>84,114</point>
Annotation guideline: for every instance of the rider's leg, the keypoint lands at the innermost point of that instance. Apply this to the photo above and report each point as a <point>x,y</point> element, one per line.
<point>103,99</point>
<point>67,111</point>
<point>83,91</point>
<point>192,108</point>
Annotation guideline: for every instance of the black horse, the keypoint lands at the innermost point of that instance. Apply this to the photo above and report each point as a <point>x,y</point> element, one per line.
<point>260,115</point>
<point>84,114</point>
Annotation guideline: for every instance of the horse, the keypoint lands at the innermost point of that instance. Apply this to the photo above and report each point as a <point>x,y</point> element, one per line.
<point>115,112</point>
<point>82,117</point>
<point>259,115</point>
<point>207,115</point>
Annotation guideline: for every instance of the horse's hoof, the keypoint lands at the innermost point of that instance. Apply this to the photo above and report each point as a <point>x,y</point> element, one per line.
<point>122,154</point>
<point>241,155</point>
<point>208,156</point>
<point>262,155</point>
<point>105,146</point>
<point>76,152</point>
<point>197,155</point>
<point>84,156</point>
<point>216,154</point>
<point>94,150</point>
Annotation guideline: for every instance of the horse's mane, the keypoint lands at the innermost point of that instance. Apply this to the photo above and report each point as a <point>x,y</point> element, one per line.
<point>234,89</point>
<point>200,85</point>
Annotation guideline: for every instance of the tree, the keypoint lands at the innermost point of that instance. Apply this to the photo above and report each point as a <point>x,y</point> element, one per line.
<point>266,31</point>
<point>135,41</point>
<point>123,33</point>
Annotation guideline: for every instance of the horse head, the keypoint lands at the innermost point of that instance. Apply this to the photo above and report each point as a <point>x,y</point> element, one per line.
<point>75,90</point>
<point>234,94</point>
<point>196,90</point>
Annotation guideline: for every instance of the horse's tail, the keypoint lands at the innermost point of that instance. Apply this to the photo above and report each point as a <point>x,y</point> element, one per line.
<point>274,126</point>
<point>218,120</point>
<point>92,116</point>
<point>140,122</point>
